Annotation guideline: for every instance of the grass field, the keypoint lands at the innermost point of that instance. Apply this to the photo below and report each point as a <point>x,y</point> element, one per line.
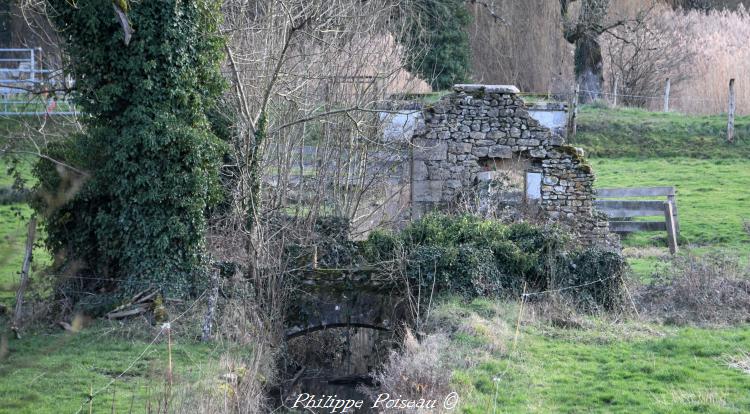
<point>637,133</point>
<point>712,197</point>
<point>53,372</point>
<point>605,368</point>
<point>635,148</point>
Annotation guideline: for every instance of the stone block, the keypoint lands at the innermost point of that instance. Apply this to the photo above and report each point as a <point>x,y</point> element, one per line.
<point>430,149</point>
<point>428,190</point>
<point>480,151</point>
<point>459,147</point>
<point>528,142</point>
<point>419,171</point>
<point>495,135</point>
<point>477,135</point>
<point>538,153</point>
<point>500,151</point>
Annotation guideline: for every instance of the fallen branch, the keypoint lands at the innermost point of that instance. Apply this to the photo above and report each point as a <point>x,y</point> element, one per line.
<point>124,314</point>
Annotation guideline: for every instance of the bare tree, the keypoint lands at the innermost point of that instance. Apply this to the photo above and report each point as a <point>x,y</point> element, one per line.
<point>308,81</point>
<point>584,32</point>
<point>642,53</point>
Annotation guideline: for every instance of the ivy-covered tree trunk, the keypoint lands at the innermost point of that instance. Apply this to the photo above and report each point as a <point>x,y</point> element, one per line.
<point>584,34</point>
<point>151,158</point>
<point>589,67</point>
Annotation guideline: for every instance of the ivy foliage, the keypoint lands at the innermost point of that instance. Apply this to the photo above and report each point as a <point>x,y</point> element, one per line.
<point>437,41</point>
<point>471,256</point>
<point>151,159</point>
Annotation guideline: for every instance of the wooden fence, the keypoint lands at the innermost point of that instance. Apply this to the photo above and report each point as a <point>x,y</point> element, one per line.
<point>621,211</point>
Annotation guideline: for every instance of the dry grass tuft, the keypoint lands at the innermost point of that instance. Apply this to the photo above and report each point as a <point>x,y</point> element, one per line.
<point>700,290</point>
<point>419,371</point>
<point>740,362</point>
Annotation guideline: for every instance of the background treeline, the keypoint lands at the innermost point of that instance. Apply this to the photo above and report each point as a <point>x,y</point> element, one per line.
<point>698,44</point>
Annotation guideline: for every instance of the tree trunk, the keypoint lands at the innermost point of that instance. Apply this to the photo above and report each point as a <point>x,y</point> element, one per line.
<point>589,67</point>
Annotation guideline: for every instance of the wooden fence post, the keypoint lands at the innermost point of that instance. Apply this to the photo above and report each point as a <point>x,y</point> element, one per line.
<point>672,199</point>
<point>666,96</point>
<point>24,275</point>
<point>614,92</point>
<point>730,112</point>
<point>574,113</point>
<point>671,235</point>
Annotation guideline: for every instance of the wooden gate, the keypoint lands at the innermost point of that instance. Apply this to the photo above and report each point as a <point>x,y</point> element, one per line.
<point>622,211</point>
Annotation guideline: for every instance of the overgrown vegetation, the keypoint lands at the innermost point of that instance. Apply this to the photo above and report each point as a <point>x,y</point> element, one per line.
<point>472,257</point>
<point>599,366</point>
<point>145,168</point>
<point>704,290</point>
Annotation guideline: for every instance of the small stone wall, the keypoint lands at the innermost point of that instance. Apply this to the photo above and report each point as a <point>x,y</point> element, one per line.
<point>479,128</point>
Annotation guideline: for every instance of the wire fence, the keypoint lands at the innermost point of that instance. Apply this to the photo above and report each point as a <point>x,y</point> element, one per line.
<point>665,102</point>
<point>164,328</point>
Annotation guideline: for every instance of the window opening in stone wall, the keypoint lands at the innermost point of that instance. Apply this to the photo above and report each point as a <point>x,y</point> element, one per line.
<point>503,179</point>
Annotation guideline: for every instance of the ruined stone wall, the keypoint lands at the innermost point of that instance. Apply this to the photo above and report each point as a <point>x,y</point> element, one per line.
<point>474,133</point>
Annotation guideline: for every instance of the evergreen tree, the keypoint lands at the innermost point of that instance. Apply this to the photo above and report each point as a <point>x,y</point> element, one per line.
<point>438,42</point>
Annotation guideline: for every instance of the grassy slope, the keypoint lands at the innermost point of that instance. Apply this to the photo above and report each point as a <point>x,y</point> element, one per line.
<point>632,147</point>
<point>627,132</point>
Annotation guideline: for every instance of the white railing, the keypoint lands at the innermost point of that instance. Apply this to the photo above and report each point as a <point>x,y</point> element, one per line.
<point>22,82</point>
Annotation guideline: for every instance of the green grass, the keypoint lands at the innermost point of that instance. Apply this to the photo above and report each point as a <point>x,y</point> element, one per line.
<point>628,132</point>
<point>605,368</point>
<point>35,105</point>
<point>712,202</point>
<point>13,229</point>
<point>712,196</point>
<point>682,372</point>
<point>53,372</point>
<point>634,148</point>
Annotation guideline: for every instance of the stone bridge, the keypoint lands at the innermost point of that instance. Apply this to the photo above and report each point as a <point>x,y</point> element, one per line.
<point>344,298</point>
<point>340,328</point>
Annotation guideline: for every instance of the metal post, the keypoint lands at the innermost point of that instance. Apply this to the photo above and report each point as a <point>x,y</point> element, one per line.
<point>730,112</point>
<point>33,57</point>
<point>666,96</point>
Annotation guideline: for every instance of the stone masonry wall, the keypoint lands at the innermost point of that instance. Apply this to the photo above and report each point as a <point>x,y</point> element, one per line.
<point>479,125</point>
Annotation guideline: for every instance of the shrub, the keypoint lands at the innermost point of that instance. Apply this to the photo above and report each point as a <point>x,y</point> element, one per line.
<point>476,257</point>
<point>599,275</point>
<point>418,372</point>
<point>702,290</point>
